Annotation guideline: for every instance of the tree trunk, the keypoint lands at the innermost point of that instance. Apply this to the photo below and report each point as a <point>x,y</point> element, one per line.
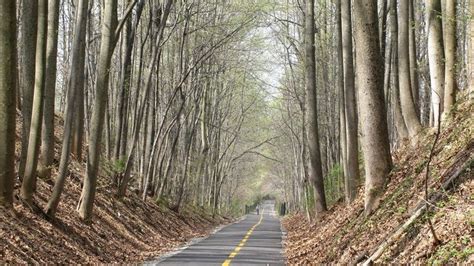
<point>375,141</point>
<point>470,51</point>
<point>8,89</point>
<point>352,175</point>
<point>450,49</point>
<point>435,58</point>
<point>29,10</point>
<point>409,113</point>
<point>315,168</point>
<point>75,83</point>
<point>342,109</point>
<point>413,59</point>
<point>109,22</point>
<point>47,144</point>
<point>28,185</point>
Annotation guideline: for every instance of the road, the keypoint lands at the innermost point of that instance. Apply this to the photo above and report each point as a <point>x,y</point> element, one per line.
<point>255,240</point>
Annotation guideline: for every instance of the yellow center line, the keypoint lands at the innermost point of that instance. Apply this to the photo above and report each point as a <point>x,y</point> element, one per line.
<point>242,243</point>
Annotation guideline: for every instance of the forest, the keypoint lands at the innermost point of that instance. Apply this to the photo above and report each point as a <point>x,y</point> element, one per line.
<point>331,131</point>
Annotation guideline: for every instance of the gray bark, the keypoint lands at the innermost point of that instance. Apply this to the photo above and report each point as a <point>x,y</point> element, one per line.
<point>375,141</point>
<point>435,58</point>
<point>315,168</point>
<point>450,49</point>
<point>28,185</point>
<point>409,113</point>
<point>47,142</point>
<point>109,22</point>
<point>75,83</point>
<point>29,15</point>
<point>352,164</point>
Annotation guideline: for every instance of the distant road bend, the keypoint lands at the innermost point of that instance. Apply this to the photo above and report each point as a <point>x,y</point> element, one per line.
<point>255,240</point>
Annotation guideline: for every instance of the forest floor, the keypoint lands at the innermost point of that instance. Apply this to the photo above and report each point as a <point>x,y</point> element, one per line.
<point>126,231</point>
<point>344,235</point>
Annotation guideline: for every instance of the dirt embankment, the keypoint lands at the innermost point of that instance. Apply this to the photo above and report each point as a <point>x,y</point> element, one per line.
<point>344,235</point>
<point>128,230</point>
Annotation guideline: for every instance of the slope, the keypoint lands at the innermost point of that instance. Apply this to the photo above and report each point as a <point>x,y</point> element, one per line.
<point>344,235</point>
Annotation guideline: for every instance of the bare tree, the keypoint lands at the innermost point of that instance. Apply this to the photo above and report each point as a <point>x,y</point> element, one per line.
<point>352,164</point>
<point>410,116</point>
<point>315,168</point>
<point>8,75</point>
<point>28,185</point>
<point>75,83</point>
<point>375,142</point>
<point>47,143</point>
<point>435,58</point>
<point>450,53</point>
<point>29,21</point>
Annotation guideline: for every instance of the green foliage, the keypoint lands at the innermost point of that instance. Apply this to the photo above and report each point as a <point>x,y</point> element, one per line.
<point>451,252</point>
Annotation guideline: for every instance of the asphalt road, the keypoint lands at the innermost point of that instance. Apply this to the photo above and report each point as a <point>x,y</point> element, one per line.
<point>255,240</point>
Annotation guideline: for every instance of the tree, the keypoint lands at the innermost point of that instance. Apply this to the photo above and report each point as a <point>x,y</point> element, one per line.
<point>315,168</point>
<point>450,53</point>
<point>29,21</point>
<point>470,49</point>
<point>75,83</point>
<point>109,23</point>
<point>8,89</point>
<point>29,180</point>
<point>399,122</point>
<point>409,113</point>
<point>375,142</point>
<point>352,164</point>
<point>109,35</point>
<point>435,58</point>
<point>47,143</point>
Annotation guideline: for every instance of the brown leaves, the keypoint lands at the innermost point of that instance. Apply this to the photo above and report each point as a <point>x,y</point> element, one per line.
<point>343,234</point>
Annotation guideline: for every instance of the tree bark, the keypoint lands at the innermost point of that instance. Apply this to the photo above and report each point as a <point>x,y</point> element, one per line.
<point>352,175</point>
<point>435,58</point>
<point>470,50</point>
<point>315,168</point>
<point>109,22</point>
<point>375,141</point>
<point>75,83</point>
<point>409,113</point>
<point>413,59</point>
<point>29,21</point>
<point>47,143</point>
<point>8,88</point>
<point>28,185</point>
<point>450,49</point>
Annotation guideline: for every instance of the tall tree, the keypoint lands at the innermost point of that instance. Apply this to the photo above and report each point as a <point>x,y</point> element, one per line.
<point>8,89</point>
<point>450,53</point>
<point>75,83</point>
<point>47,143</point>
<point>435,58</point>
<point>352,164</point>
<point>410,116</point>
<point>413,57</point>
<point>107,45</point>
<point>399,122</point>
<point>29,180</point>
<point>375,142</point>
<point>29,21</point>
<point>109,35</point>
<point>315,168</point>
<point>470,49</point>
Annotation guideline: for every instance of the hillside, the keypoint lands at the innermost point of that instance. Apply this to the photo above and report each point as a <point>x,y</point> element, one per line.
<point>344,235</point>
<point>128,230</point>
